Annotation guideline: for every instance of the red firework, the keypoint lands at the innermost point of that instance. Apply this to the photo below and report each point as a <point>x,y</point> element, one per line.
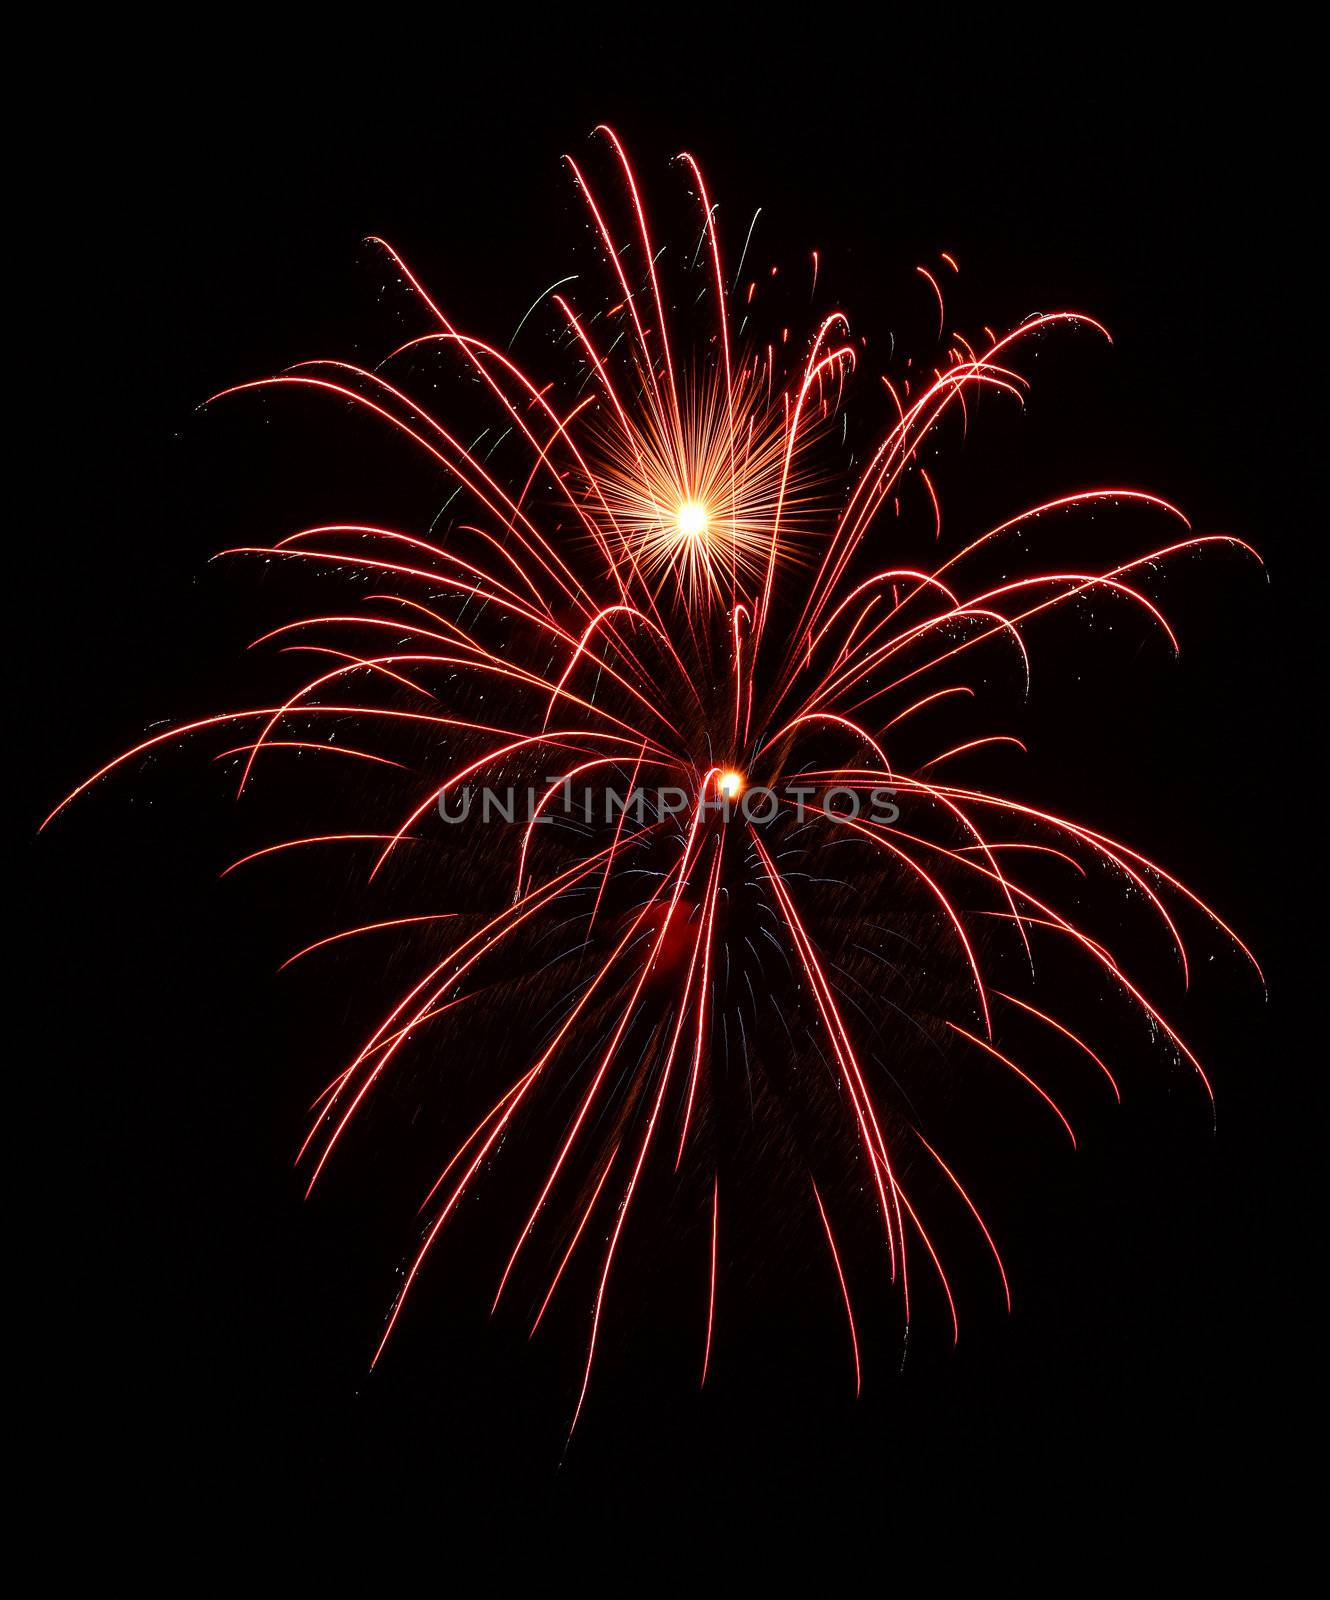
<point>677,592</point>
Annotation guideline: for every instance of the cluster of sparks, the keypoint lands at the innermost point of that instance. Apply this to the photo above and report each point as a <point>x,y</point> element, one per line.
<point>676,593</point>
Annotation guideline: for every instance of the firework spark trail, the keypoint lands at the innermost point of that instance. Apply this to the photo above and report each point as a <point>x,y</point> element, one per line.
<point>663,628</point>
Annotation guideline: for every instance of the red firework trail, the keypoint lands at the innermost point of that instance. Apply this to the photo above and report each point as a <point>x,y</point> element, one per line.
<point>677,590</point>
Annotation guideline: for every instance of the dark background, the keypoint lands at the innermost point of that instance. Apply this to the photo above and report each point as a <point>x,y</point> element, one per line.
<point>208,1333</point>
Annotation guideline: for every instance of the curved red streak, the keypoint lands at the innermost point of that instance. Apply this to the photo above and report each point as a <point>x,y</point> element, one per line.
<point>1067,1033</point>
<point>649,256</point>
<point>618,831</point>
<point>291,844</point>
<point>927,700</point>
<point>844,1289</point>
<point>941,307</point>
<point>711,1293</point>
<point>843,722</point>
<point>973,744</point>
<point>568,1253</point>
<point>1081,497</point>
<point>938,1267</point>
<point>705,925</point>
<point>612,252</point>
<point>1020,1073</point>
<point>1020,844</point>
<point>313,744</point>
<point>974,1211</point>
<point>368,927</point>
<point>937,509</point>
<point>721,316</point>
<point>812,370</point>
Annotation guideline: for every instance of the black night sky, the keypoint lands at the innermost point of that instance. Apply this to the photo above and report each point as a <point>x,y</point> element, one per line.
<point>204,1333</point>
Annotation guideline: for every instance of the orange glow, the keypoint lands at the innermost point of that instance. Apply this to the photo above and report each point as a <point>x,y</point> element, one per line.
<point>692,520</point>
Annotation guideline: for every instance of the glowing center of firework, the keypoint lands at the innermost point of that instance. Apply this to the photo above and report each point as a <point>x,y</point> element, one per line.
<point>731,785</point>
<point>691,520</point>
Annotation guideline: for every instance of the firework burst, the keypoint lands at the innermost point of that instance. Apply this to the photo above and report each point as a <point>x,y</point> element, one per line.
<point>678,594</point>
